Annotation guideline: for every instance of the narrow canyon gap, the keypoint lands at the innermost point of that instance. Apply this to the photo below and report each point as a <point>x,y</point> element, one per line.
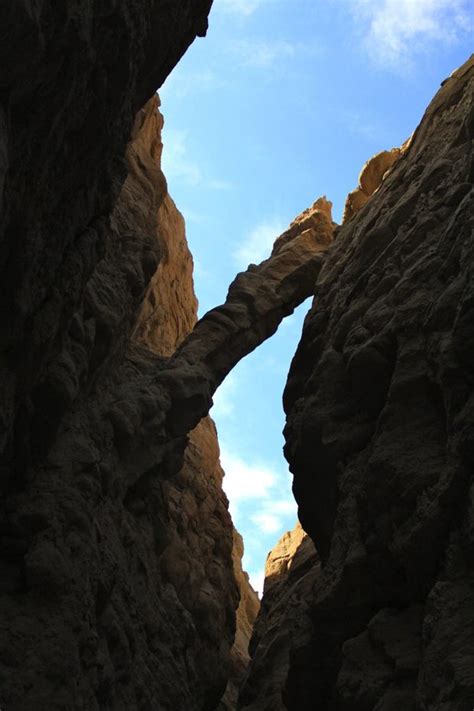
<point>120,573</point>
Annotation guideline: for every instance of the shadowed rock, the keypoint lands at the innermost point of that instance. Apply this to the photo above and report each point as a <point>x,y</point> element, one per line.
<point>379,438</point>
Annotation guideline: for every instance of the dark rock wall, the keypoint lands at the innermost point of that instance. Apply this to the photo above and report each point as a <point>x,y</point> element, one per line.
<point>117,588</point>
<point>116,595</point>
<point>379,437</point>
<point>116,585</point>
<point>117,580</point>
<point>72,77</point>
<point>283,621</point>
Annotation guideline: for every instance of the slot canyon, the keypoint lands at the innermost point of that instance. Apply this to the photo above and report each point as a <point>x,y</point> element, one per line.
<point>121,578</point>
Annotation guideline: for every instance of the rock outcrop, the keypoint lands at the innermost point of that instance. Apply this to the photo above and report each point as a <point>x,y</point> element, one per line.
<point>71,81</point>
<point>201,534</point>
<point>247,611</point>
<point>119,573</point>
<point>257,301</point>
<point>116,557</point>
<point>379,437</point>
<point>370,179</point>
<point>283,621</point>
<point>121,599</point>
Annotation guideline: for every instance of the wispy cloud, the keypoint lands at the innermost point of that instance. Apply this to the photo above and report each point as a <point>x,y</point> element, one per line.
<point>224,399</point>
<point>257,579</point>
<point>183,82</point>
<point>178,163</point>
<point>270,518</point>
<point>256,482</point>
<point>258,243</point>
<point>395,30</point>
<point>267,54</point>
<point>262,54</point>
<point>245,480</point>
<point>244,8</point>
<point>361,125</point>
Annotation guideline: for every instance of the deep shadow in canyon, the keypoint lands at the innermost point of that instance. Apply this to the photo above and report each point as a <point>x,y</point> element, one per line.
<point>120,569</point>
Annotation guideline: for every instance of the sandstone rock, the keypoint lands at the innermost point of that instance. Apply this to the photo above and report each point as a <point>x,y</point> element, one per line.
<point>370,179</point>
<point>256,303</point>
<point>169,309</point>
<point>71,83</point>
<point>379,439</point>
<point>118,590</point>
<point>283,622</point>
<point>247,611</point>
<point>130,573</point>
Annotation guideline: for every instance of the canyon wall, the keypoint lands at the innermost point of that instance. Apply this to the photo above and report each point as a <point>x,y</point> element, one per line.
<point>119,564</point>
<point>113,598</point>
<point>72,78</point>
<point>118,559</point>
<point>379,438</point>
<point>112,595</point>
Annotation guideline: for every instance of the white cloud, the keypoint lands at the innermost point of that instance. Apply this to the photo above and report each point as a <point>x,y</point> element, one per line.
<point>257,579</point>
<point>267,522</point>
<point>258,243</point>
<point>395,30</point>
<point>191,215</point>
<point>224,397</point>
<point>245,480</point>
<point>178,164</point>
<point>361,125</point>
<point>214,184</point>
<point>271,517</point>
<point>284,506</point>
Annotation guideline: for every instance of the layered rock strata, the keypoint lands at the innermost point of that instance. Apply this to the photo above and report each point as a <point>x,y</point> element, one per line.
<point>379,437</point>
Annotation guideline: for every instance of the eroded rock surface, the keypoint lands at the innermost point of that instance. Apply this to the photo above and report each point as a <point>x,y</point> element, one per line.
<point>71,81</point>
<point>247,611</point>
<point>379,437</point>
<point>370,179</point>
<point>283,622</point>
<point>121,596</point>
<point>257,301</point>
<point>117,579</point>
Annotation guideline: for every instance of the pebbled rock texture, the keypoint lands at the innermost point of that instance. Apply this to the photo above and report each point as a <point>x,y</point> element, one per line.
<point>379,437</point>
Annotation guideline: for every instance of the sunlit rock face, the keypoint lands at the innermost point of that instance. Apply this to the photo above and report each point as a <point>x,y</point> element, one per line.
<point>379,437</point>
<point>283,621</point>
<point>370,179</point>
<point>247,611</point>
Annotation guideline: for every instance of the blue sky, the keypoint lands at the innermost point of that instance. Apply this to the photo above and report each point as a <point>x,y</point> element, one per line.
<point>284,101</point>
